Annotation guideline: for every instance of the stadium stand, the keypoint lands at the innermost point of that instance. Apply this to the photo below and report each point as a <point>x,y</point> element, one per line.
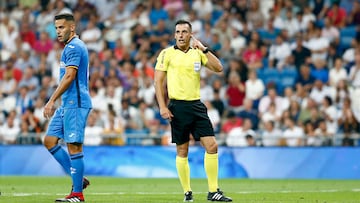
<point>124,38</point>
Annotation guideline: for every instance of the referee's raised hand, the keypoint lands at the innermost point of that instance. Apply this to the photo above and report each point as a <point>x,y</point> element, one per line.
<point>197,44</point>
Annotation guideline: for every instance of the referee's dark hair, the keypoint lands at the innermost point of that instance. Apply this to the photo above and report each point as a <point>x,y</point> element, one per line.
<point>179,22</point>
<point>66,16</point>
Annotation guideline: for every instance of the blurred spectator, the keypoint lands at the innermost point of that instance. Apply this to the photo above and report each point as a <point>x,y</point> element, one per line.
<point>271,135</point>
<point>354,16</point>
<point>157,12</point>
<point>319,7</point>
<point>278,53</point>
<point>44,44</point>
<point>305,78</point>
<point>93,132</point>
<point>235,92</point>
<point>92,36</point>
<point>204,8</point>
<point>114,127</point>
<point>214,116</point>
<point>237,136</point>
<point>293,135</point>
<point>330,114</point>
<point>254,16</point>
<point>249,112</point>
<point>272,97</point>
<point>312,139</point>
<point>329,31</point>
<point>254,88</point>
<point>252,56</point>
<point>27,34</point>
<point>342,93</point>
<point>30,81</point>
<point>337,73</point>
<point>271,114</point>
<point>336,14</point>
<point>323,132</point>
<point>23,100</point>
<point>320,91</point>
<point>10,129</point>
<point>346,120</point>
<point>231,121</point>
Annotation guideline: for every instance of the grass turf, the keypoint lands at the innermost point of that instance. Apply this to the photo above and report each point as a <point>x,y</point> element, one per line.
<point>37,189</point>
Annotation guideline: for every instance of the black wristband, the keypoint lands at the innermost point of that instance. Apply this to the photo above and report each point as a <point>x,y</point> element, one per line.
<point>206,50</point>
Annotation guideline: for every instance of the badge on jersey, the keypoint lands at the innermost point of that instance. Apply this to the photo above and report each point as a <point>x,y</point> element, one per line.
<point>197,66</point>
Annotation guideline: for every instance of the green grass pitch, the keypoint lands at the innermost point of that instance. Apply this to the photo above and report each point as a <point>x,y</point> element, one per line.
<point>38,189</point>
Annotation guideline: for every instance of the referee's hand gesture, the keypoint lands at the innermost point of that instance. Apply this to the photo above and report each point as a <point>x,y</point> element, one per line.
<point>197,44</point>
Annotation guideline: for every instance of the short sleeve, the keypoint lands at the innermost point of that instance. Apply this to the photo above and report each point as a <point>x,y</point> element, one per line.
<point>204,58</point>
<point>162,61</point>
<point>73,56</point>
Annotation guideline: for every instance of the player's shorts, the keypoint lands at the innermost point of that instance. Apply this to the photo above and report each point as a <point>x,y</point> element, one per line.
<point>69,124</point>
<point>189,117</point>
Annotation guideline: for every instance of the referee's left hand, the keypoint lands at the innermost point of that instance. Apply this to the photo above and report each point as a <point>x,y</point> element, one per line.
<point>197,44</point>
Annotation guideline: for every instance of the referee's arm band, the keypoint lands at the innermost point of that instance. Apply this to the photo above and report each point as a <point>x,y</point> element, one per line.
<point>206,50</point>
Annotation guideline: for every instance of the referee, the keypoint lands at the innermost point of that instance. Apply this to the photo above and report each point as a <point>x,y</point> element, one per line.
<point>179,66</point>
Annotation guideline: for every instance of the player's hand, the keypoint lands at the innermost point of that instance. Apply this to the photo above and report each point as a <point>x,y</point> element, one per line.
<point>49,110</point>
<point>166,114</point>
<point>197,44</point>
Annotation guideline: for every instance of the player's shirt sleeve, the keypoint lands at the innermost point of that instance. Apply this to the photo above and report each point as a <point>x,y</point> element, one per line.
<point>73,56</point>
<point>204,58</point>
<point>162,62</point>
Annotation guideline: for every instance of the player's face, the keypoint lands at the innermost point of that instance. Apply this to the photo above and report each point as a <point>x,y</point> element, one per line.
<point>64,30</point>
<point>182,36</point>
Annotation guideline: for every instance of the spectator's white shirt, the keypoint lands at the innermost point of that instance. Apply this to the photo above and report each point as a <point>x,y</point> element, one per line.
<point>271,138</point>
<point>305,21</point>
<point>236,137</point>
<point>147,94</point>
<point>254,89</point>
<point>292,136</point>
<point>214,117</point>
<point>330,33</point>
<point>318,95</point>
<point>292,26</point>
<point>90,34</point>
<point>316,44</point>
<point>354,76</point>
<point>202,8</point>
<point>238,43</point>
<point>332,113</point>
<point>206,93</point>
<point>336,75</point>
<point>9,134</point>
<point>280,103</point>
<point>280,52</point>
<point>93,135</point>
<point>349,55</point>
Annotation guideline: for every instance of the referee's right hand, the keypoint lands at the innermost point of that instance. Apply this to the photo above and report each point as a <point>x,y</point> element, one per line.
<point>166,113</point>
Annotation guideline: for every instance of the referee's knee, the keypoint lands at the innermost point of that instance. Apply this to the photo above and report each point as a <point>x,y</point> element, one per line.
<point>212,148</point>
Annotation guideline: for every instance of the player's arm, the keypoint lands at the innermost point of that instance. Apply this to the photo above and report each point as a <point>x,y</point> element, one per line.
<point>64,84</point>
<point>213,62</point>
<point>160,94</point>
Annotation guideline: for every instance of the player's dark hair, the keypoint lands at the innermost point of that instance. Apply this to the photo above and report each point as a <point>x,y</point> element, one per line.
<point>180,22</point>
<point>66,16</point>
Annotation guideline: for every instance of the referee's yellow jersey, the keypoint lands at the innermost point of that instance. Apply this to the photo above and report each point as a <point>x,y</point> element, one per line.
<point>183,72</point>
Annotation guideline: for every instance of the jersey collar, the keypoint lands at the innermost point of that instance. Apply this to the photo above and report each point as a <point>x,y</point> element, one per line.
<point>176,47</point>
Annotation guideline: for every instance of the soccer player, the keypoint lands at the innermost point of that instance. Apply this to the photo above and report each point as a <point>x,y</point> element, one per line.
<point>180,65</point>
<point>69,120</point>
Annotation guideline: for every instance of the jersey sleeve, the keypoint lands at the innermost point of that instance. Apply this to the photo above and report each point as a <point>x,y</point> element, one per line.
<point>204,58</point>
<point>162,61</point>
<point>73,56</point>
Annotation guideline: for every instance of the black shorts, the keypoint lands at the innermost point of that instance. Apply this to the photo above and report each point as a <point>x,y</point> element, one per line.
<point>189,117</point>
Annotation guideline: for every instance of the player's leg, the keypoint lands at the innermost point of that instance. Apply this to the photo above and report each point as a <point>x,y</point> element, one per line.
<point>211,161</point>
<point>180,132</point>
<point>211,165</point>
<point>53,134</point>
<point>74,126</point>
<point>182,166</point>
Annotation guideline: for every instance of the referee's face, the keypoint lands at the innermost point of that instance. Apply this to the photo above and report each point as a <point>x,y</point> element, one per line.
<point>64,30</point>
<point>182,36</point>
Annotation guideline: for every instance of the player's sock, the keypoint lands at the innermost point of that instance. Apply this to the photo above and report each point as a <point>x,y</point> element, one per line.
<point>183,169</point>
<point>211,165</point>
<point>77,171</point>
<point>62,157</point>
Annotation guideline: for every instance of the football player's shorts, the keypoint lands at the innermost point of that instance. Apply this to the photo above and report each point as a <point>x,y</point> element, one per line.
<point>69,124</point>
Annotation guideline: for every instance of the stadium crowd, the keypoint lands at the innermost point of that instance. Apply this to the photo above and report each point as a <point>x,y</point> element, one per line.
<point>290,68</point>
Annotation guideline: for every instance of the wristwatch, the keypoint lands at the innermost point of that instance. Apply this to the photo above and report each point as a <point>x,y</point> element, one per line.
<point>206,50</point>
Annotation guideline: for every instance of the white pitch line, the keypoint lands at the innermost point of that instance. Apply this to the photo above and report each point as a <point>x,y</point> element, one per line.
<point>162,193</point>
